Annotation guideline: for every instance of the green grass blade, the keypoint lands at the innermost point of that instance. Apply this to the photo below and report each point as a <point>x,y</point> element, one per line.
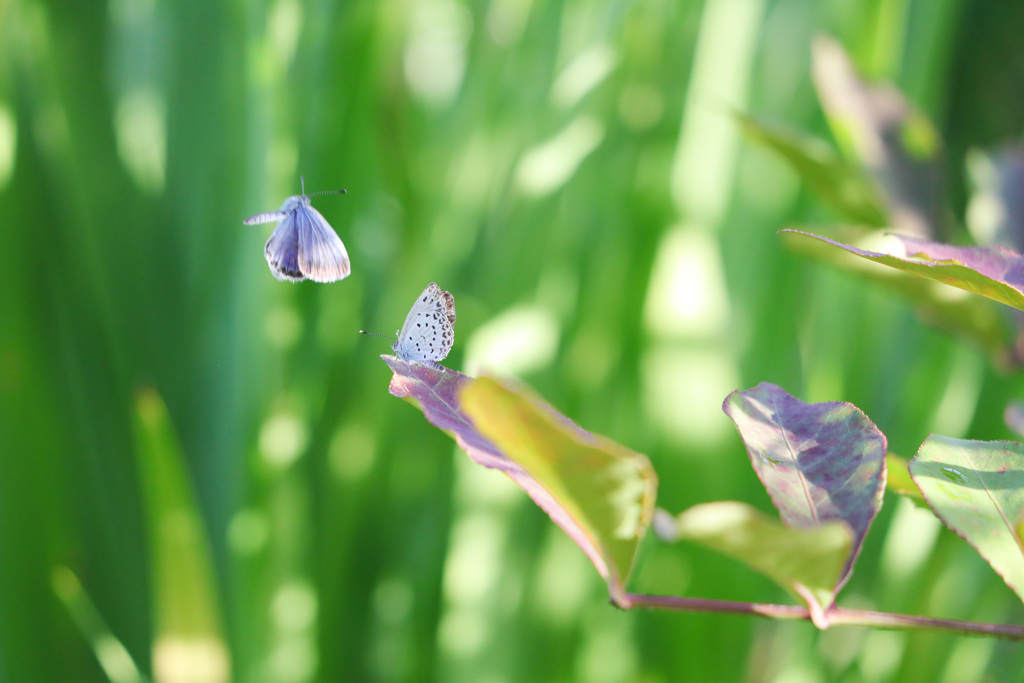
<point>112,655</point>
<point>188,642</point>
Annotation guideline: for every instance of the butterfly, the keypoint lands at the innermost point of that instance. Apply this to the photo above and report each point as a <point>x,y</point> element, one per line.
<point>429,329</point>
<point>303,245</point>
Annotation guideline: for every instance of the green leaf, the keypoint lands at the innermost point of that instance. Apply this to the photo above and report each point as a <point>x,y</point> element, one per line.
<point>993,272</point>
<point>188,640</point>
<point>805,561</point>
<point>977,489</point>
<point>607,489</point>
<point>981,323</point>
<point>843,186</point>
<point>898,480</point>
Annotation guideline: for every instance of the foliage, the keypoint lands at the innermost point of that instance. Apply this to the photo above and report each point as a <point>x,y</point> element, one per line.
<point>571,173</point>
<point>600,493</point>
<point>823,465</point>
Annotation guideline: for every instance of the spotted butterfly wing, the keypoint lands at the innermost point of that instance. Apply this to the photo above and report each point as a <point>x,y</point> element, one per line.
<point>429,329</point>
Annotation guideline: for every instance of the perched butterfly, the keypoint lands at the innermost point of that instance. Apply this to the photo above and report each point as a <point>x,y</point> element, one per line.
<point>429,330</point>
<point>303,245</point>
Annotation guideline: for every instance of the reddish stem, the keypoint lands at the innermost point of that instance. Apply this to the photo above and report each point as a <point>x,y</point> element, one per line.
<point>836,616</point>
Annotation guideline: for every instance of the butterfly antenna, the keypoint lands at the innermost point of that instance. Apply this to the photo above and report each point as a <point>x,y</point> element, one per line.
<point>302,181</point>
<point>315,194</point>
<point>374,334</point>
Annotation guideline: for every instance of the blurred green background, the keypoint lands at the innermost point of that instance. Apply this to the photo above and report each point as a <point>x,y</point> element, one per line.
<point>202,475</point>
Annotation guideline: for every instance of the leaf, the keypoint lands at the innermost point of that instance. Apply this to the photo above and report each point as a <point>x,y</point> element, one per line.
<point>898,479</point>
<point>820,462</point>
<point>434,390</point>
<point>599,492</point>
<point>841,185</point>
<point>981,323</point>
<point>992,272</point>
<point>806,561</point>
<point>894,141</point>
<point>188,639</point>
<point>977,489</point>
<point>607,489</point>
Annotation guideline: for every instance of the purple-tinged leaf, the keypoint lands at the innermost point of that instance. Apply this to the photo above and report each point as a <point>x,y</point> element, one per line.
<point>434,389</point>
<point>804,560</point>
<point>997,263</point>
<point>977,489</point>
<point>983,323</point>
<point>600,493</point>
<point>820,462</point>
<point>992,272</point>
<point>895,141</point>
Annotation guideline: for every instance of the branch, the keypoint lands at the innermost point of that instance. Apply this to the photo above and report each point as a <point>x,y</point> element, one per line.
<point>835,616</point>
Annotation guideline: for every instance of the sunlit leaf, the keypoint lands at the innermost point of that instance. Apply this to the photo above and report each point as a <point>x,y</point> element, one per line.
<point>982,323</point>
<point>434,389</point>
<point>977,489</point>
<point>606,488</point>
<point>992,272</point>
<point>804,560</point>
<point>600,493</point>
<point>894,141</point>
<point>843,186</point>
<point>188,640</point>
<point>820,462</point>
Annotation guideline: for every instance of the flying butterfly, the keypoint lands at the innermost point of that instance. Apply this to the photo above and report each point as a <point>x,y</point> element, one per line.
<point>303,245</point>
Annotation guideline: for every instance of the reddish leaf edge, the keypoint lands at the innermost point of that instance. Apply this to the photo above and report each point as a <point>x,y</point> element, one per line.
<point>834,615</point>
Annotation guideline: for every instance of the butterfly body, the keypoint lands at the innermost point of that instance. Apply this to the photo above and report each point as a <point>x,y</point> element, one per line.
<point>303,245</point>
<point>429,329</point>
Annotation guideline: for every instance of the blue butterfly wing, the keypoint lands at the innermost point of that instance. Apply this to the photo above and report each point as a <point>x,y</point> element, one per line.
<point>322,255</point>
<point>282,251</point>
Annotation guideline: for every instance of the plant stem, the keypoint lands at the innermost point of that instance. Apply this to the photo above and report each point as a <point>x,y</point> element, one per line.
<point>836,616</point>
<point>673,603</point>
